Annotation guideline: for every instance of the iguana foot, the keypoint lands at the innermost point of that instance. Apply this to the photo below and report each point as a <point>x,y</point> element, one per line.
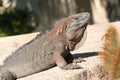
<point>72,66</point>
<point>78,60</point>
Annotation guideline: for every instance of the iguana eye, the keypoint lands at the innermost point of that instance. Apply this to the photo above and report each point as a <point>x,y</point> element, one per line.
<point>75,18</point>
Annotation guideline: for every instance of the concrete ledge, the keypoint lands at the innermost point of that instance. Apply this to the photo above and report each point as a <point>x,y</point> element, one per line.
<point>89,72</point>
<point>92,68</point>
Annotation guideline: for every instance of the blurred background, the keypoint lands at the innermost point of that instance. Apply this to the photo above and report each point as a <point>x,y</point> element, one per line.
<point>26,16</point>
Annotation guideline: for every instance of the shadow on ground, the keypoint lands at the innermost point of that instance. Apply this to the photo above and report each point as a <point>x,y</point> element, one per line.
<point>84,55</point>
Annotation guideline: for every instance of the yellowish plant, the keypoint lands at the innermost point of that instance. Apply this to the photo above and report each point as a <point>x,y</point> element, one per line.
<point>111,53</point>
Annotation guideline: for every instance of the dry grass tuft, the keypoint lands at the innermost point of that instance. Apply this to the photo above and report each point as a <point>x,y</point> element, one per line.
<point>111,54</point>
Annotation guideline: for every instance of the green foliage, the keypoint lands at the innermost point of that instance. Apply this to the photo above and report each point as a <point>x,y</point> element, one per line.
<point>15,21</point>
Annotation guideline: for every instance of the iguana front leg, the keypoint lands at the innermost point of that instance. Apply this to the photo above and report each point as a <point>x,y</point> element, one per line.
<point>61,62</point>
<point>6,74</point>
<point>68,57</point>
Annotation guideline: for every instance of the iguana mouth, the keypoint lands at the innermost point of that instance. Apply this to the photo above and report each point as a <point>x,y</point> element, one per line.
<point>79,21</point>
<point>83,20</point>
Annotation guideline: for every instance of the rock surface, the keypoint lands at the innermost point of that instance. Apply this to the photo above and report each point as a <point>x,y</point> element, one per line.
<point>92,68</point>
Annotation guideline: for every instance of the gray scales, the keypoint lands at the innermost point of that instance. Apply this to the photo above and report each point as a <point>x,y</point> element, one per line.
<point>48,50</point>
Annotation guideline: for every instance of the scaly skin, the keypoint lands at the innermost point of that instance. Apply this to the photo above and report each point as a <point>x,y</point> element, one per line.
<point>45,51</point>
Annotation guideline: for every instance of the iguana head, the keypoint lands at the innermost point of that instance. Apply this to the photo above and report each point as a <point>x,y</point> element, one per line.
<point>72,28</point>
<point>75,28</point>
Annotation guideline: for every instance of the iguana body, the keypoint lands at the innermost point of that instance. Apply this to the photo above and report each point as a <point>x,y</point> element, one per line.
<point>46,51</point>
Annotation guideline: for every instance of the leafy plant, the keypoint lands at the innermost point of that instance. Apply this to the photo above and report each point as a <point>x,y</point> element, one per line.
<point>15,21</point>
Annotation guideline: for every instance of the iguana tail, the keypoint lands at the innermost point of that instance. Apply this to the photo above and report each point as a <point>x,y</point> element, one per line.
<point>6,74</point>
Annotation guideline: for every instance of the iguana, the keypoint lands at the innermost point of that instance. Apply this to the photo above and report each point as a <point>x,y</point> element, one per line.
<point>48,50</point>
